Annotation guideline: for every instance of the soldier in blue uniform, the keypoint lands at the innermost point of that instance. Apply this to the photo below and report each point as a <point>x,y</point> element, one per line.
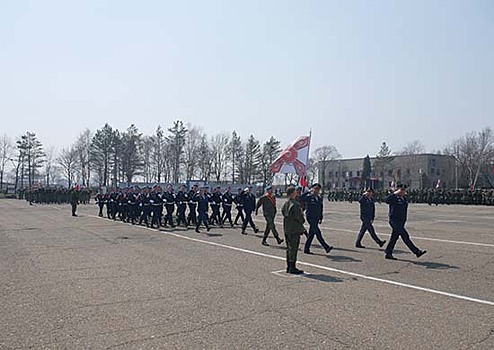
<point>239,205</point>
<point>169,202</point>
<point>144,206</point>
<point>249,202</point>
<point>100,200</point>
<point>215,201</point>
<point>202,209</point>
<point>181,199</point>
<point>156,203</point>
<point>192,217</point>
<point>227,201</point>
<point>398,207</point>
<point>367,214</point>
<point>312,202</point>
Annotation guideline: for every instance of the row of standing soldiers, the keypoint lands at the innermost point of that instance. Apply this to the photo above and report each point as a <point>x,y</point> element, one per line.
<point>426,196</point>
<point>53,195</point>
<point>156,208</point>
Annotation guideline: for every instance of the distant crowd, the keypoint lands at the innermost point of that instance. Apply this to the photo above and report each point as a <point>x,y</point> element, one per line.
<point>425,196</point>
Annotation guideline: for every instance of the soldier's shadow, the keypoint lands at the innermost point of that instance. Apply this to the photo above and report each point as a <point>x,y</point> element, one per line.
<point>342,258</point>
<point>323,278</point>
<point>431,265</point>
<point>214,234</point>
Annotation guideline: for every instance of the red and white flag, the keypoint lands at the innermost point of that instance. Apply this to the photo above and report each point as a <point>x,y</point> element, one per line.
<point>293,159</point>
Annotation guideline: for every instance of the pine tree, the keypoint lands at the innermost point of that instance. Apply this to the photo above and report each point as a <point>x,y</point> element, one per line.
<point>176,143</point>
<point>31,151</point>
<point>366,172</point>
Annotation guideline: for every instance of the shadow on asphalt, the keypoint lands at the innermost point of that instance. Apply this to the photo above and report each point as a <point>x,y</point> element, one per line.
<point>342,258</point>
<point>431,265</point>
<point>323,278</point>
<point>214,234</point>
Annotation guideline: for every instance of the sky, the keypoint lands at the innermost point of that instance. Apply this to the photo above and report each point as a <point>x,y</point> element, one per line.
<point>356,73</point>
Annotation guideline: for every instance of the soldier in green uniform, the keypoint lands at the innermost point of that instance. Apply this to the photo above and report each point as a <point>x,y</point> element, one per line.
<point>74,199</point>
<point>268,204</point>
<point>293,225</point>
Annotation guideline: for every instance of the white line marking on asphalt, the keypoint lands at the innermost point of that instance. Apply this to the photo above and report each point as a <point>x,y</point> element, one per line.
<point>282,273</point>
<point>342,272</point>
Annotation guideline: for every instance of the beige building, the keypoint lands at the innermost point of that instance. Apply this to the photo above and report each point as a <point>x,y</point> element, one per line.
<point>416,171</point>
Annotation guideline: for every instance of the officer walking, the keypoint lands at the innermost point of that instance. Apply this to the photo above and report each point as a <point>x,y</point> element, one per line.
<point>181,199</point>
<point>249,202</point>
<point>202,209</point>
<point>312,202</point>
<point>227,201</point>
<point>367,214</point>
<point>169,201</point>
<point>398,207</point>
<point>293,226</point>
<point>192,217</point>
<point>238,200</point>
<point>268,204</point>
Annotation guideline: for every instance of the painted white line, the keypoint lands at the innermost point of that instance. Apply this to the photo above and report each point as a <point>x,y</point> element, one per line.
<point>342,272</point>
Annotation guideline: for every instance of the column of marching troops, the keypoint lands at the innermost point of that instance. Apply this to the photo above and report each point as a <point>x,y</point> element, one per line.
<point>156,208</point>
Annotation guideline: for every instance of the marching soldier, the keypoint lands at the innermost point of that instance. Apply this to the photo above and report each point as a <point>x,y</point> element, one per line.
<point>100,200</point>
<point>227,201</point>
<point>156,202</point>
<point>239,205</point>
<point>202,209</point>
<point>249,203</point>
<point>367,214</point>
<point>312,202</point>
<point>215,201</point>
<point>398,207</point>
<point>181,199</point>
<point>268,204</point>
<point>192,217</point>
<point>169,202</point>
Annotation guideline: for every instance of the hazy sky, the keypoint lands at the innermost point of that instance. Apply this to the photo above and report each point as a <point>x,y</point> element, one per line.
<point>356,72</point>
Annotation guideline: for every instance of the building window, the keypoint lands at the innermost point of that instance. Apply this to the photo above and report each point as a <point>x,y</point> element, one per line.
<point>330,174</point>
<point>336,174</point>
<point>350,174</point>
<point>433,171</point>
<point>358,173</point>
<point>438,172</point>
<point>390,172</point>
<point>398,174</point>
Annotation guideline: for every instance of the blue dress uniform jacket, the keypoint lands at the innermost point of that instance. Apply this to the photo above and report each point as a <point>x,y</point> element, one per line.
<point>367,208</point>
<point>249,201</point>
<point>398,207</point>
<point>313,206</point>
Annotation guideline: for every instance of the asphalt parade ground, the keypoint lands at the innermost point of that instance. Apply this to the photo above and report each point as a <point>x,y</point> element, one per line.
<point>92,283</point>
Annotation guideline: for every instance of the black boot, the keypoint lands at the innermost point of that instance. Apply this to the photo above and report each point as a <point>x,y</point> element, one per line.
<point>265,243</point>
<point>293,270</point>
<point>279,240</point>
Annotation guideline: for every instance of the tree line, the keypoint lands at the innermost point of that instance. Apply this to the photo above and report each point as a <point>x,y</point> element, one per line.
<point>109,156</point>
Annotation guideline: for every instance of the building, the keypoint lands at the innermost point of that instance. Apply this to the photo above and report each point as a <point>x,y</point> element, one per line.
<point>416,171</point>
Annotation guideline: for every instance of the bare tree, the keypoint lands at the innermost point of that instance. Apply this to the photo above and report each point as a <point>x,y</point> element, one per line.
<point>6,153</point>
<point>191,151</point>
<point>158,159</point>
<point>147,152</point>
<point>49,163</point>
<point>323,155</point>
<point>412,148</point>
<point>68,162</point>
<point>219,156</point>
<point>83,149</point>
<point>383,161</point>
<point>473,152</point>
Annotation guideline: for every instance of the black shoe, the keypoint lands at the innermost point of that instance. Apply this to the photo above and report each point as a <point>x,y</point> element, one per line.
<point>74,215</point>
<point>279,240</point>
<point>420,253</point>
<point>265,243</point>
<point>208,229</point>
<point>256,230</point>
<point>328,249</point>
<point>359,246</point>
<point>293,270</point>
<point>308,252</point>
<point>243,232</point>
<point>390,257</point>
<point>382,243</point>
<point>197,230</point>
